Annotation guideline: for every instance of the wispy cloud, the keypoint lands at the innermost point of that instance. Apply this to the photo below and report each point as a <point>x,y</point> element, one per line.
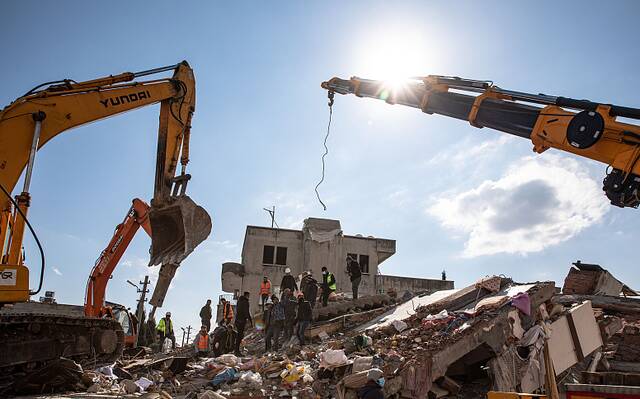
<point>56,271</point>
<point>469,151</point>
<point>538,202</point>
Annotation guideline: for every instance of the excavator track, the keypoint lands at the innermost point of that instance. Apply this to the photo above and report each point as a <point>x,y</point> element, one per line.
<point>31,340</point>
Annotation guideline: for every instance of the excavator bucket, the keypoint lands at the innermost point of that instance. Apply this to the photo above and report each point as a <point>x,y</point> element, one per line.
<point>176,229</point>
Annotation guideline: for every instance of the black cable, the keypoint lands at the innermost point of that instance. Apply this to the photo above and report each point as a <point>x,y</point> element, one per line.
<point>326,152</point>
<point>33,232</point>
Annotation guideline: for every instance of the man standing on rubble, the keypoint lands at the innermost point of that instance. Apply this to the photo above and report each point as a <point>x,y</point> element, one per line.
<point>201,342</point>
<point>242,315</point>
<point>328,285</point>
<point>205,315</point>
<point>304,317</point>
<point>275,323</point>
<point>288,282</point>
<point>165,330</point>
<point>353,268</point>
<point>227,312</point>
<point>310,289</point>
<point>290,306</point>
<point>265,290</point>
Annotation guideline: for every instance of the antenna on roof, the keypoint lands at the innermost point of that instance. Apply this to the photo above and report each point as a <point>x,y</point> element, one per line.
<point>272,214</point>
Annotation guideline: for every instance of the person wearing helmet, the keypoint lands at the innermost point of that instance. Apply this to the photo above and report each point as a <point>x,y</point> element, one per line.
<point>165,329</point>
<point>373,388</point>
<point>288,281</point>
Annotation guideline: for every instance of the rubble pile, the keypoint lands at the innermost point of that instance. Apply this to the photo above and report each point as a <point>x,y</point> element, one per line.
<point>492,335</point>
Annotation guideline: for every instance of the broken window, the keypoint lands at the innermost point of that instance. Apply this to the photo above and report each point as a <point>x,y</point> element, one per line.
<point>281,256</point>
<point>364,263</point>
<point>267,255</point>
<point>272,255</point>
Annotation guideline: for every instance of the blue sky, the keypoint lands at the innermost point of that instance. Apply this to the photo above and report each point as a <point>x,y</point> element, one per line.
<point>429,182</point>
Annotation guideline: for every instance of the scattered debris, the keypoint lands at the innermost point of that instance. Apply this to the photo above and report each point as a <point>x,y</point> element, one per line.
<point>492,335</point>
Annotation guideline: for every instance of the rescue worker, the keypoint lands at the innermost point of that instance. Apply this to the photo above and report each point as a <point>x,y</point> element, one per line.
<point>355,274</point>
<point>373,388</point>
<point>303,318</point>
<point>275,320</point>
<point>201,342</point>
<point>310,289</point>
<point>205,315</point>
<point>288,281</point>
<point>242,315</point>
<point>227,312</point>
<point>290,306</point>
<point>165,330</point>
<point>265,290</point>
<point>328,285</point>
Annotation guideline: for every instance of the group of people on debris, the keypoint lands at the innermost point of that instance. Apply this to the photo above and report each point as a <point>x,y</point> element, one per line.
<point>288,315</point>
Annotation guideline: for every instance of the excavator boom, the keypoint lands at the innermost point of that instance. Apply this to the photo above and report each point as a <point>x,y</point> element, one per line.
<point>581,127</point>
<point>28,123</point>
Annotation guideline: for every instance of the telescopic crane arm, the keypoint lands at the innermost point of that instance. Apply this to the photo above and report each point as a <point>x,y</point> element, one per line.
<point>581,127</point>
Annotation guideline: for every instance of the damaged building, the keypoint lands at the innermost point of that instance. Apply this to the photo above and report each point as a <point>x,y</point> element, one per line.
<point>269,251</point>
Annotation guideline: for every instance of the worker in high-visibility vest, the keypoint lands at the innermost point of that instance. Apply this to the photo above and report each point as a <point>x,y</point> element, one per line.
<point>265,291</point>
<point>227,312</point>
<point>165,330</point>
<point>328,285</point>
<point>201,342</point>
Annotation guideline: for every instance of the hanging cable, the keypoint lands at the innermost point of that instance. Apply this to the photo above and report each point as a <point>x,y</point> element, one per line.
<point>35,236</point>
<point>326,149</point>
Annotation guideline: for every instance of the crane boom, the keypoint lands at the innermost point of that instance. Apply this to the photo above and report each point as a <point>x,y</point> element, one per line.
<point>585,128</point>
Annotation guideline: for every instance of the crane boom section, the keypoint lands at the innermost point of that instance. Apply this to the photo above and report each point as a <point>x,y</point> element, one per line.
<point>587,129</point>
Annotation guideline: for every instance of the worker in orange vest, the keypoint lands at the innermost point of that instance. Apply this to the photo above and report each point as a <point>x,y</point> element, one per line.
<point>265,291</point>
<point>227,312</point>
<point>201,343</point>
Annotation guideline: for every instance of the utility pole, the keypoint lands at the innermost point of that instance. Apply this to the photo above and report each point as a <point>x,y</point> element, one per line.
<point>140,309</point>
<point>188,333</point>
<point>183,334</point>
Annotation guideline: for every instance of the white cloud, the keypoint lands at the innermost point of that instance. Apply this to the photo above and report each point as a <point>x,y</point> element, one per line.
<point>56,271</point>
<point>467,151</point>
<point>538,202</point>
<point>399,198</point>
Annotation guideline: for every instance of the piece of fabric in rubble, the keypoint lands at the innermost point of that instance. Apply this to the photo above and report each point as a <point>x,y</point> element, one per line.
<point>416,377</point>
<point>522,302</point>
<point>324,236</point>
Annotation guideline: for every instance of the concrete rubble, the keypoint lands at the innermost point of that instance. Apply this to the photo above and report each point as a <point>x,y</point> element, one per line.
<point>458,343</point>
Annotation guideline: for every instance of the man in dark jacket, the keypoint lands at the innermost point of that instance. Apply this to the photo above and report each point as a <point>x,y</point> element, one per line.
<point>353,268</point>
<point>242,315</point>
<point>373,387</point>
<point>290,306</point>
<point>310,289</point>
<point>205,315</point>
<point>304,317</point>
<point>275,322</point>
<point>288,282</point>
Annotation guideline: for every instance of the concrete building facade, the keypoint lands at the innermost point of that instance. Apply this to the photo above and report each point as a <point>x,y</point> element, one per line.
<point>321,242</point>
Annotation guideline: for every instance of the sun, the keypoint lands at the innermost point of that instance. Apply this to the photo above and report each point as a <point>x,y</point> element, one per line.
<point>394,57</point>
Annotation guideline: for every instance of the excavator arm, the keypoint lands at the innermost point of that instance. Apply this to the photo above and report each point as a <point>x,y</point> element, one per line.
<point>581,127</point>
<point>138,216</point>
<point>50,109</point>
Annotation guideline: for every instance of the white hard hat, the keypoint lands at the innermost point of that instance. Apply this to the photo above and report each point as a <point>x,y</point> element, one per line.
<point>287,270</point>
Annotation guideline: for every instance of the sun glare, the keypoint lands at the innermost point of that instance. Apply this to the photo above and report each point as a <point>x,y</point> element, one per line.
<point>395,58</point>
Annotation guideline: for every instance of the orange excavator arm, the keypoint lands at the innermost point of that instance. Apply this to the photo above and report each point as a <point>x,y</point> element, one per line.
<point>138,216</point>
<point>50,109</point>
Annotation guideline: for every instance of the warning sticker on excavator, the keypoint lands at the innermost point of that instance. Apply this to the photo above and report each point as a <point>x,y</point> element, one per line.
<point>8,277</point>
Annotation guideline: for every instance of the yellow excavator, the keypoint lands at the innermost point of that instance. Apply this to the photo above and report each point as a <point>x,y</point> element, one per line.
<point>582,127</point>
<point>34,333</point>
